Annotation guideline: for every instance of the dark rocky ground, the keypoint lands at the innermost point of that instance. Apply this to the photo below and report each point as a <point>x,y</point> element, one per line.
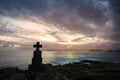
<point>84,70</point>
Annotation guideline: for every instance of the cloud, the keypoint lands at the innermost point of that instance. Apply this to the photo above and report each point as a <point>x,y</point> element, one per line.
<point>62,22</point>
<point>4,30</point>
<point>115,5</point>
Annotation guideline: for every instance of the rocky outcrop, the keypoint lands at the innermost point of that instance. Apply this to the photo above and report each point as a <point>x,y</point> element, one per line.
<point>15,74</point>
<point>84,70</point>
<point>49,75</point>
<point>91,70</point>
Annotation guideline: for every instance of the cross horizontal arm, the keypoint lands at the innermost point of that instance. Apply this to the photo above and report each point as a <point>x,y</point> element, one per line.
<point>37,46</point>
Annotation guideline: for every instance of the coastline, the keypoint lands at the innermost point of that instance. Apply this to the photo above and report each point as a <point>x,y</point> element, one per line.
<point>83,70</point>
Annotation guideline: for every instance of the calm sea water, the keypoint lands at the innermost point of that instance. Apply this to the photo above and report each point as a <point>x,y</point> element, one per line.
<point>56,57</point>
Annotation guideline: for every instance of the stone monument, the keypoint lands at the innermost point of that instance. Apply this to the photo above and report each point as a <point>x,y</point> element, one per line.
<point>37,59</point>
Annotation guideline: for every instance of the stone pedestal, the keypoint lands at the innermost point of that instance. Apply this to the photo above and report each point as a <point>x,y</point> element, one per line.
<point>37,59</point>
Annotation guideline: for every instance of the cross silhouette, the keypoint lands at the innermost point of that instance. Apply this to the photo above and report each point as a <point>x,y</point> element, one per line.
<point>37,46</point>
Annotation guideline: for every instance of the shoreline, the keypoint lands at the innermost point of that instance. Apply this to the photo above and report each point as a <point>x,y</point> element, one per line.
<point>72,62</point>
<point>98,70</point>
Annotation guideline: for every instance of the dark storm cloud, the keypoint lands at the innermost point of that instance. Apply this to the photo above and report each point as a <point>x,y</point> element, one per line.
<point>57,10</point>
<point>18,6</point>
<point>115,5</point>
<point>88,9</point>
<point>75,14</point>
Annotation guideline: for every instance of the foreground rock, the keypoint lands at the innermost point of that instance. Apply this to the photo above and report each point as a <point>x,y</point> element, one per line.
<point>91,70</point>
<point>15,74</point>
<point>84,70</point>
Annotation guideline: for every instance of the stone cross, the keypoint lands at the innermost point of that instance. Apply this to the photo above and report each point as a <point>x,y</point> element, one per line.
<point>37,46</point>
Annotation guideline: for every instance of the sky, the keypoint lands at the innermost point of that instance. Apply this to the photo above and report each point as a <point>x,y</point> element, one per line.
<point>60,24</point>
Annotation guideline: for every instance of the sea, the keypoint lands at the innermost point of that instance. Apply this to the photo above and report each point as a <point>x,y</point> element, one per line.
<point>22,60</point>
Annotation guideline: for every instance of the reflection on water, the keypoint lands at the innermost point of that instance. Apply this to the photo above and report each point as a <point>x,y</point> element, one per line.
<point>56,57</point>
<point>63,57</point>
